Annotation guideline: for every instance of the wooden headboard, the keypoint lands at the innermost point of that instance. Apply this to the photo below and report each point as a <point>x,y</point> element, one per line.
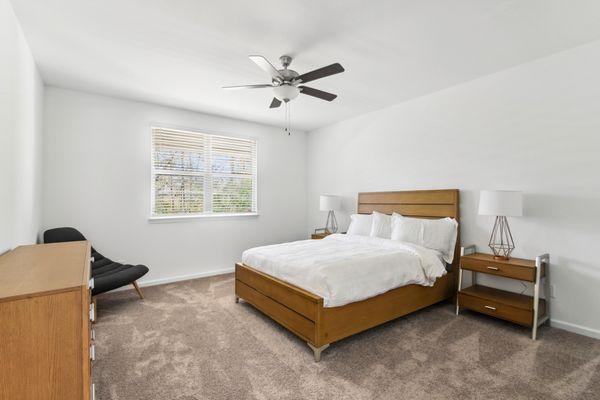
<point>415,203</point>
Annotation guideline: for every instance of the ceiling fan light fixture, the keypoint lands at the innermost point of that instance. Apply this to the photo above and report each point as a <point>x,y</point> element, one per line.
<point>286,92</point>
<point>285,83</point>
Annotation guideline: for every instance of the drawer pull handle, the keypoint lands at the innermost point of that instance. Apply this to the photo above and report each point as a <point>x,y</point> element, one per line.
<point>93,334</point>
<point>92,313</point>
<point>93,391</point>
<point>494,268</point>
<point>91,283</point>
<point>93,353</point>
<point>490,308</point>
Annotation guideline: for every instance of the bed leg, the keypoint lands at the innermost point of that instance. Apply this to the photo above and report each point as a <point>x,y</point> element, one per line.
<point>317,350</point>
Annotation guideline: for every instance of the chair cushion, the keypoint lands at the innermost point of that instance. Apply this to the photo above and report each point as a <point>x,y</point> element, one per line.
<point>100,263</point>
<point>64,234</point>
<point>106,269</point>
<point>68,234</point>
<point>97,256</point>
<point>119,275</point>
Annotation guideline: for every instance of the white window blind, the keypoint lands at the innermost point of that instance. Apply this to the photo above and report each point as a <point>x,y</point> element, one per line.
<point>196,173</point>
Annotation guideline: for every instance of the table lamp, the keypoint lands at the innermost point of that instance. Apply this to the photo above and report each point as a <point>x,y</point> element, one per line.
<point>502,204</point>
<point>330,204</point>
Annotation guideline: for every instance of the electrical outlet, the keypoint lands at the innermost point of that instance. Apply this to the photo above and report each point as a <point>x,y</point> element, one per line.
<point>552,291</point>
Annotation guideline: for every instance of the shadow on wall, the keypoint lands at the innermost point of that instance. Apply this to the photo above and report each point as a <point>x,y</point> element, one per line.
<point>568,227</point>
<point>574,213</point>
<point>579,271</point>
<point>474,228</point>
<point>576,278</point>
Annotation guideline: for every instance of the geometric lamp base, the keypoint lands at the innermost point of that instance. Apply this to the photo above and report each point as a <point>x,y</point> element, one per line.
<point>331,225</point>
<point>501,240</point>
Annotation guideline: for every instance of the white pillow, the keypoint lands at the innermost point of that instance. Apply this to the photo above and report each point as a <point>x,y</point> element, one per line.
<point>436,234</point>
<point>407,229</point>
<point>382,225</point>
<point>360,224</point>
<point>440,235</point>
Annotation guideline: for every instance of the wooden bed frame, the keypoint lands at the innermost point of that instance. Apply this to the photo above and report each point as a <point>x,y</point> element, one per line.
<point>303,313</point>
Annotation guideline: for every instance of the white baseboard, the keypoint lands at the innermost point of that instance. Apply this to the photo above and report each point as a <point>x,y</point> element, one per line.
<point>582,330</point>
<point>171,279</point>
<point>178,278</point>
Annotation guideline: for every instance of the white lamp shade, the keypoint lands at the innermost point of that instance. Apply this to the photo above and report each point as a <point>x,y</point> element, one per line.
<point>505,203</point>
<point>328,203</point>
<point>286,92</point>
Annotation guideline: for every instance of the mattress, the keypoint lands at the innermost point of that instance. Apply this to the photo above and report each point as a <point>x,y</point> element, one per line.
<point>343,269</point>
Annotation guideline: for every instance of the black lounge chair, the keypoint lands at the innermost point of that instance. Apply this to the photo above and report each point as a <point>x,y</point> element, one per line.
<point>107,274</point>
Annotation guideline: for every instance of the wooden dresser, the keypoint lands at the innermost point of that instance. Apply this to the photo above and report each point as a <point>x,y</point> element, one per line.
<point>45,322</point>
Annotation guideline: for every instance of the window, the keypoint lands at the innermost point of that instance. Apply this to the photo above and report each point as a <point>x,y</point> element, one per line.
<point>196,174</point>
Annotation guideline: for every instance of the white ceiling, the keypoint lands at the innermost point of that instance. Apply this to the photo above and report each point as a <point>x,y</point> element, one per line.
<point>180,53</point>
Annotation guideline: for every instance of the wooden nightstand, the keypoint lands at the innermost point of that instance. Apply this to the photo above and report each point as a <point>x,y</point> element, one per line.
<point>319,235</point>
<point>519,308</point>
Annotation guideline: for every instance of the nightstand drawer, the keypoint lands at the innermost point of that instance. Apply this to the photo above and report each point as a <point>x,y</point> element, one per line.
<point>499,268</point>
<point>496,309</point>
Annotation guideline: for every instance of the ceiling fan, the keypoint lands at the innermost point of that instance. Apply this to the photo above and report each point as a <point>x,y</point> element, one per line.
<point>287,84</point>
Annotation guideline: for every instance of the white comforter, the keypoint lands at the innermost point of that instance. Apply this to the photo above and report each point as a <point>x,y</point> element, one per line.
<point>343,268</point>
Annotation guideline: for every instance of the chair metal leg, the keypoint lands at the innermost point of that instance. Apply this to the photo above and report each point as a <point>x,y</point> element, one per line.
<point>317,350</point>
<point>138,290</point>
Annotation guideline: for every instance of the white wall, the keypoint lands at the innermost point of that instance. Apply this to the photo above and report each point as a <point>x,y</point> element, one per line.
<point>534,128</point>
<point>21,96</point>
<point>97,179</point>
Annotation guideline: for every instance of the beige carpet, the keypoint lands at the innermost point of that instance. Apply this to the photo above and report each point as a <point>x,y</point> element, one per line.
<point>190,340</point>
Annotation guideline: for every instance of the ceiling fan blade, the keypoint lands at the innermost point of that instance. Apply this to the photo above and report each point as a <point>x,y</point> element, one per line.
<point>266,66</point>
<point>275,103</point>
<point>320,73</point>
<point>265,85</point>
<point>317,93</point>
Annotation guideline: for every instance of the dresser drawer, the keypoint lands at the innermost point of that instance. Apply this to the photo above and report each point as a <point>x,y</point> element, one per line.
<point>496,309</point>
<point>499,268</point>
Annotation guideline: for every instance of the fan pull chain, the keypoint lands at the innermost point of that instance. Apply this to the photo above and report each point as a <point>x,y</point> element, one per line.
<point>285,105</point>
<point>287,118</point>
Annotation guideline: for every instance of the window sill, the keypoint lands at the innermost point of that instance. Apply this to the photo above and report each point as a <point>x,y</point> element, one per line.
<point>178,218</point>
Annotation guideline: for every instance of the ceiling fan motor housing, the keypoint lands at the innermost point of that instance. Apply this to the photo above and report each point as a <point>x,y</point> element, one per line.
<point>288,74</point>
